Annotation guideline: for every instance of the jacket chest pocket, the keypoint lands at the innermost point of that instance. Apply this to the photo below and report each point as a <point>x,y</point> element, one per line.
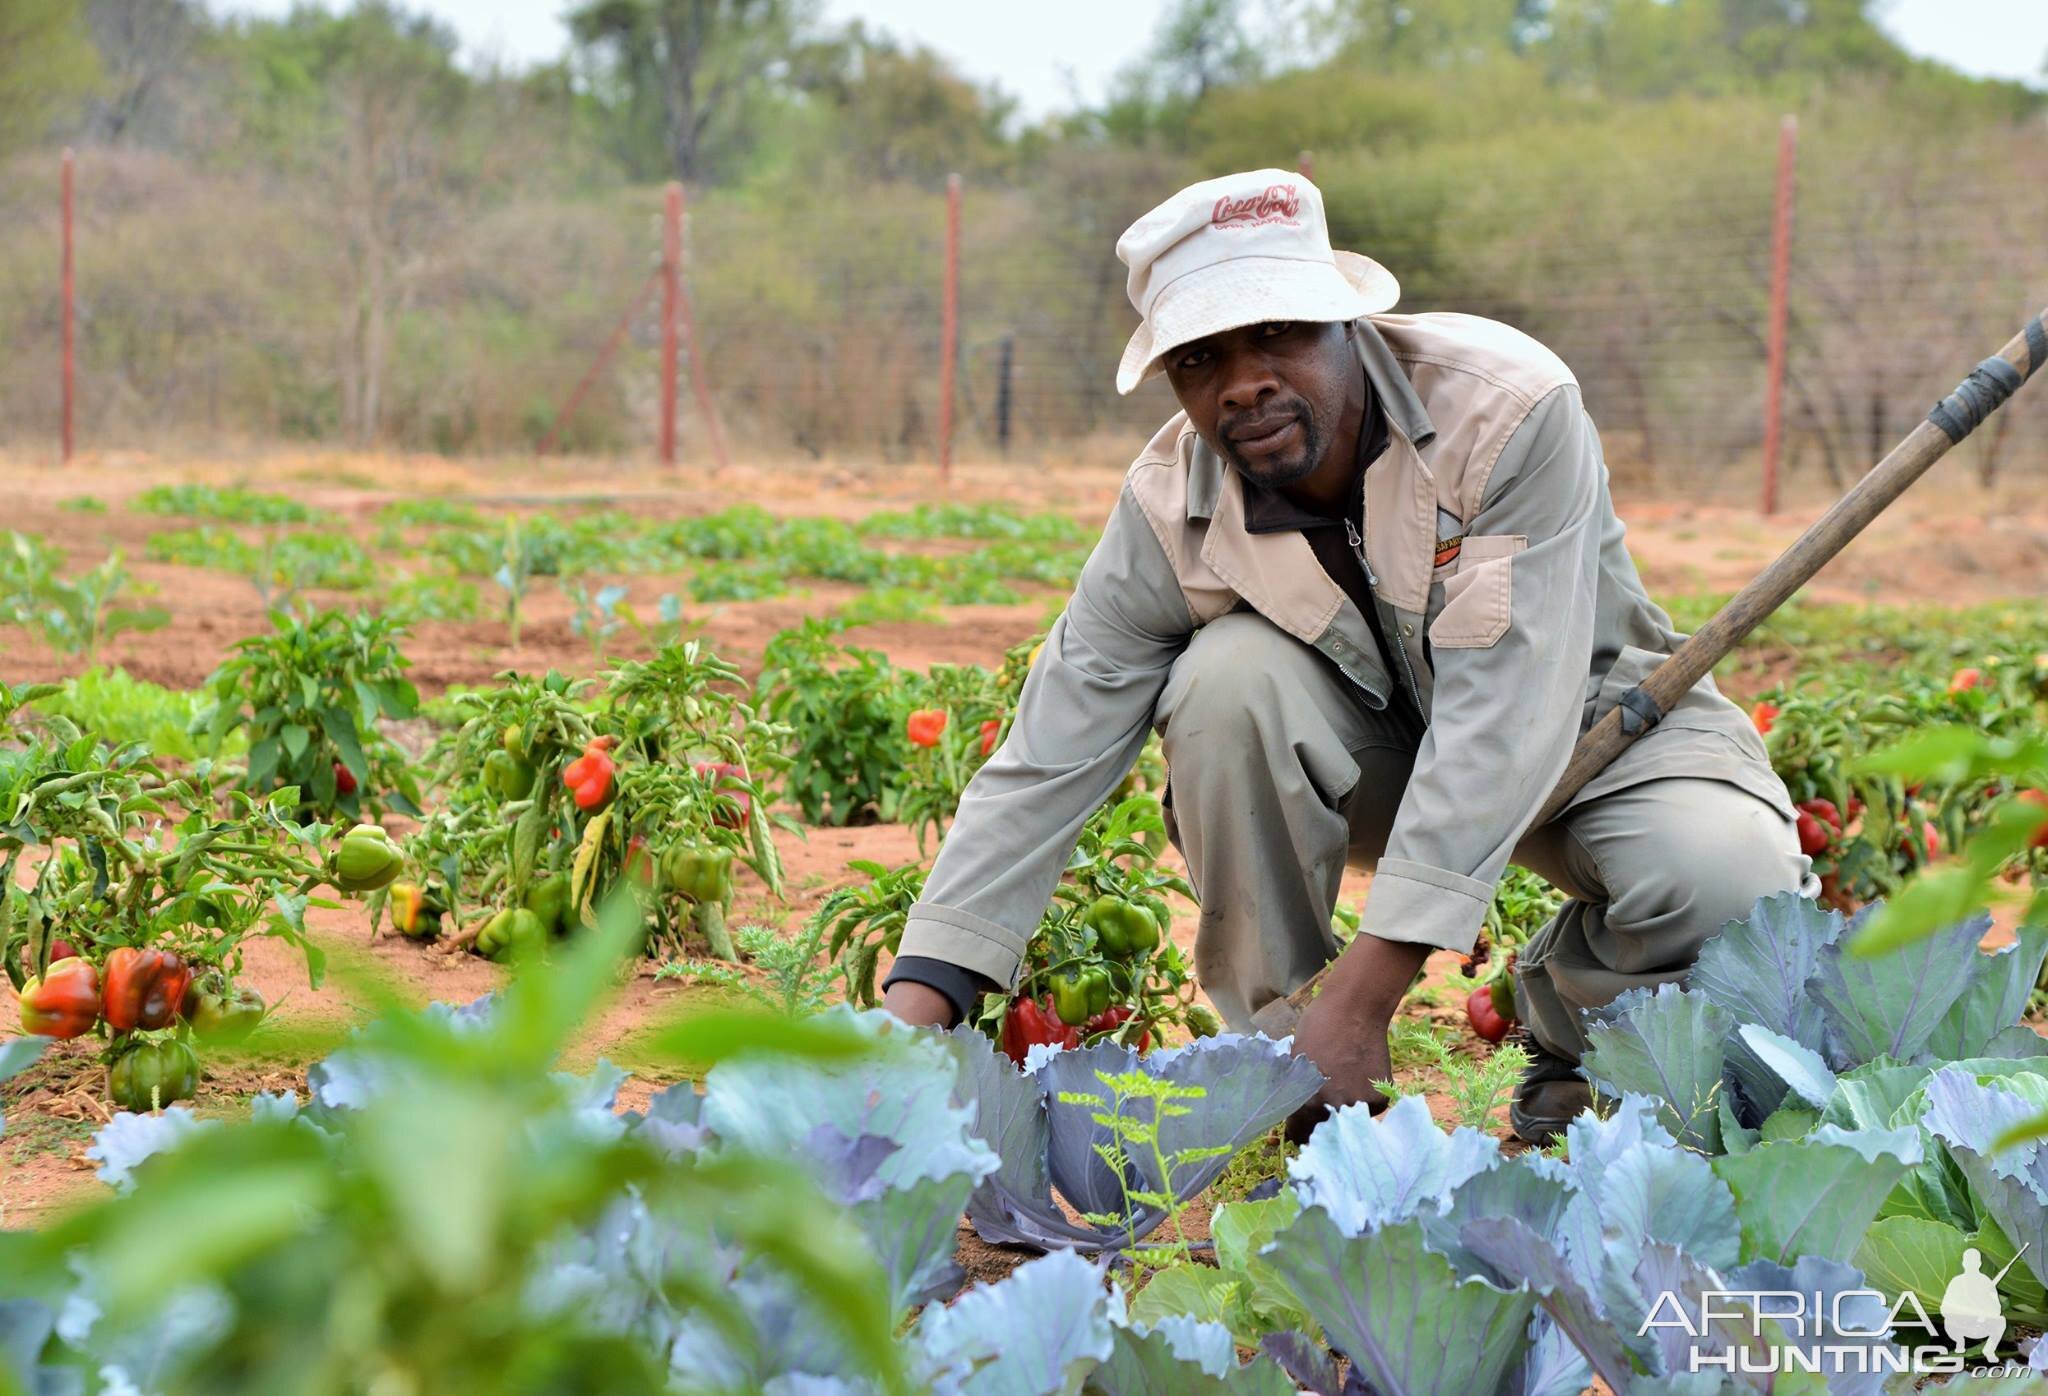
<point>1479,593</point>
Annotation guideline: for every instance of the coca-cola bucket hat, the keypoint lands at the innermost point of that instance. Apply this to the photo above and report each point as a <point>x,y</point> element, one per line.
<point>1236,251</point>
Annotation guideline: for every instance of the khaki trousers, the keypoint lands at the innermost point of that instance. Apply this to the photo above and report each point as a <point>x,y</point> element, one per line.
<point>1280,777</point>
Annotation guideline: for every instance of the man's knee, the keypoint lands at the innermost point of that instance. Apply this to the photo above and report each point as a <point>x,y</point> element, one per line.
<point>1229,681</point>
<point>1704,858</point>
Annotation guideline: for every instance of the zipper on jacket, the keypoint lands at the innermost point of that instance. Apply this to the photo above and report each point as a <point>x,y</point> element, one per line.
<point>1357,541</point>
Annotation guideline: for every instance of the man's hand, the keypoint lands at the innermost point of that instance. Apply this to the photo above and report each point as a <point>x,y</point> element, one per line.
<point>1344,1028</point>
<point>919,1005</point>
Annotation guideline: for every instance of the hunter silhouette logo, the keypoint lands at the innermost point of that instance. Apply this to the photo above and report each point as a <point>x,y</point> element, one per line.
<point>1969,1306</point>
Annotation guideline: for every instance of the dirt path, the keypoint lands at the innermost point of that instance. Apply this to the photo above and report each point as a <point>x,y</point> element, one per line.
<point>1957,546</point>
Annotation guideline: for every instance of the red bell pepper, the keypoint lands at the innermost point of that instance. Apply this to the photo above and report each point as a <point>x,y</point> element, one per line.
<point>589,776</point>
<point>1765,717</point>
<point>1110,1019</point>
<point>735,805</point>
<point>1813,840</point>
<point>1485,1019</point>
<point>990,730</point>
<point>144,988</point>
<point>63,1003</point>
<point>1030,1023</point>
<point>2039,799</point>
<point>1927,847</point>
<point>639,862</point>
<point>344,780</point>
<point>1966,679</point>
<point>925,726</point>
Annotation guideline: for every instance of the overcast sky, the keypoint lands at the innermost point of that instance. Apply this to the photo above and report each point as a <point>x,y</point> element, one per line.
<point>1052,54</point>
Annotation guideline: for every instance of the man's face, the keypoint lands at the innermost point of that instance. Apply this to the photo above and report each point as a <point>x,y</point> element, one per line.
<point>1268,397</point>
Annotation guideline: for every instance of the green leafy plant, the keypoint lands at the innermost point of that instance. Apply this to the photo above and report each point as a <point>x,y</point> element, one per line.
<point>432,596</point>
<point>121,709</point>
<point>945,751</point>
<point>1131,1109</point>
<point>78,614</point>
<point>795,979</point>
<point>439,1297</point>
<point>145,885</point>
<point>558,797</point>
<point>429,512</point>
<point>596,617</point>
<point>1478,1088</point>
<point>1240,1290</point>
<point>308,697</point>
<point>864,921</point>
<point>845,707</point>
<point>230,504</point>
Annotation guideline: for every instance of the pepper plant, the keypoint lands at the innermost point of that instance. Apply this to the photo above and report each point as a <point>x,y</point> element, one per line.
<point>1100,964</point>
<point>944,729</point>
<point>309,696</point>
<point>142,888</point>
<point>559,795</point>
<point>845,707</point>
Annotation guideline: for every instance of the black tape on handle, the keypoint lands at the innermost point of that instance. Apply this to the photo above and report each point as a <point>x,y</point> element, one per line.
<point>1979,395</point>
<point>2037,346</point>
<point>1639,711</point>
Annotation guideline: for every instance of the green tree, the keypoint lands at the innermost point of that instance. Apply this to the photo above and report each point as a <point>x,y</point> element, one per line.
<point>884,111</point>
<point>46,61</point>
<point>695,66</point>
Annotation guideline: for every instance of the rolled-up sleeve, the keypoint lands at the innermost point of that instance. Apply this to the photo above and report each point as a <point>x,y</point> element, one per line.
<point>1510,667</point>
<point>1081,722</point>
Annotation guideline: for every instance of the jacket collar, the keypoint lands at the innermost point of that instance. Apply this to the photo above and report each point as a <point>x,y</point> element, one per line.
<point>1399,404</point>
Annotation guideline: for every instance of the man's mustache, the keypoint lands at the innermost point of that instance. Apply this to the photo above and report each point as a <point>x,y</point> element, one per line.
<point>1250,424</point>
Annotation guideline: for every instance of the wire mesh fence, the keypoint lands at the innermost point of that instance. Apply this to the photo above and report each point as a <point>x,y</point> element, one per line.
<point>818,318</point>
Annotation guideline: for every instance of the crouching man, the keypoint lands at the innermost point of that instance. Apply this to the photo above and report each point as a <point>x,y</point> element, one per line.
<point>1370,588</point>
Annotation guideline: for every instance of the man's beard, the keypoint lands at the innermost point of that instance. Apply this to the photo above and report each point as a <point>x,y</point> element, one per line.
<point>1274,473</point>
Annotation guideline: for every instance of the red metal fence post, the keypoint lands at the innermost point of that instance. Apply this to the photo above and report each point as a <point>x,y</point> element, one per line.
<point>949,328</point>
<point>66,291</point>
<point>671,282</point>
<point>700,384</point>
<point>1781,275</point>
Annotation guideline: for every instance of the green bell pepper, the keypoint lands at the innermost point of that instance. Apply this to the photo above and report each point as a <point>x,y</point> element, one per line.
<point>1124,929</point>
<point>366,860</point>
<point>1100,991</point>
<point>701,872</point>
<point>1070,997</point>
<point>150,1075</point>
<point>513,931</point>
<point>507,777</point>
<point>548,899</point>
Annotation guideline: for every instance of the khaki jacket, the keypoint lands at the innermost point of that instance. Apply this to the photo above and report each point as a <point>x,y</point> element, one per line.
<point>1512,610</point>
